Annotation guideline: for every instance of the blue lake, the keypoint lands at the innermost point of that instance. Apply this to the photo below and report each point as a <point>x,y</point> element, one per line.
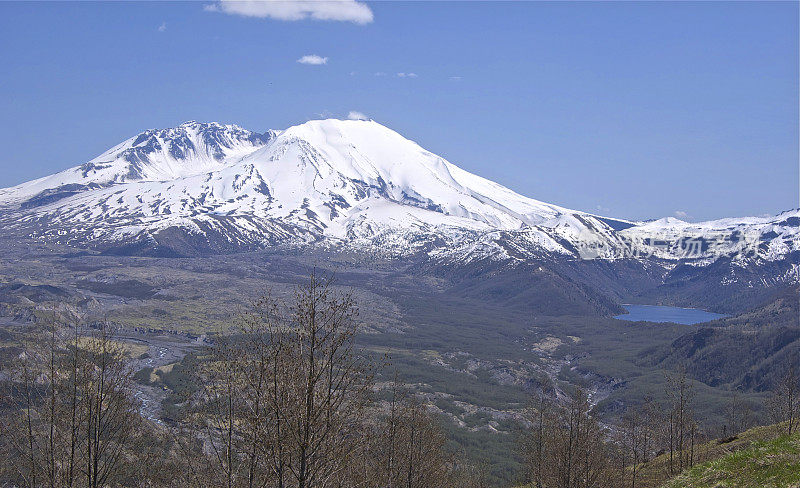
<point>657,313</point>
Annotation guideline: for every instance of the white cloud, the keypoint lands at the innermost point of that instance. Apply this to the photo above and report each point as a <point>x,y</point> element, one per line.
<point>354,115</point>
<point>380,73</point>
<point>406,75</point>
<point>162,27</point>
<point>681,214</point>
<point>455,78</point>
<point>313,59</point>
<point>336,10</point>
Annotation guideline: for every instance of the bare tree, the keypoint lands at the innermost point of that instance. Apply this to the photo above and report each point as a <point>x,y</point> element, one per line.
<point>681,427</point>
<point>326,385</point>
<point>74,412</point>
<point>574,452</point>
<point>632,439</point>
<point>639,436</point>
<point>784,405</point>
<point>285,398</point>
<point>534,441</point>
<point>407,448</point>
<point>738,415</point>
<point>425,462</point>
<point>110,416</point>
<point>384,452</point>
<point>220,419</point>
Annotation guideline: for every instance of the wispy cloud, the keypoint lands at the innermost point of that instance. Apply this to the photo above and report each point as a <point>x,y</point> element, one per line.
<point>406,75</point>
<point>681,214</point>
<point>355,115</point>
<point>313,59</point>
<point>333,10</point>
<point>380,73</point>
<point>455,78</point>
<point>162,27</point>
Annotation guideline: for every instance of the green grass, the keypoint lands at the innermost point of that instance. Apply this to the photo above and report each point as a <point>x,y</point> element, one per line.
<point>765,464</point>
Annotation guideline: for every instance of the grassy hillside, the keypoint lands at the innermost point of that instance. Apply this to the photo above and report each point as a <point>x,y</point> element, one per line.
<point>756,458</point>
<point>764,464</point>
<point>739,461</point>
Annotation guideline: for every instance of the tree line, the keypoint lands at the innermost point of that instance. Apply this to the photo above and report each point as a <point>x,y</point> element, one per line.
<point>566,446</point>
<point>285,401</point>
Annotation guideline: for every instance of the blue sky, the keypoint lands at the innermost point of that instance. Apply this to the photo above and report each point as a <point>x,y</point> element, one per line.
<point>634,110</point>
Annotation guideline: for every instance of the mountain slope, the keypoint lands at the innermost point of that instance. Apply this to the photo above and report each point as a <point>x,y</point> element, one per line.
<point>773,463</point>
<point>353,182</point>
<point>757,457</point>
<point>749,351</point>
<point>357,186</point>
<point>154,155</point>
<point>345,180</point>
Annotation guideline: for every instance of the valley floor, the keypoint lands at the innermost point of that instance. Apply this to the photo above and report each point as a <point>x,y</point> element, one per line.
<point>474,361</point>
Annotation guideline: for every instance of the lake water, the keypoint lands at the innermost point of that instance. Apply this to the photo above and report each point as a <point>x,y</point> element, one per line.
<point>657,313</point>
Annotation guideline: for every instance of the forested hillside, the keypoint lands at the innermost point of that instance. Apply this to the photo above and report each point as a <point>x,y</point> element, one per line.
<point>750,351</point>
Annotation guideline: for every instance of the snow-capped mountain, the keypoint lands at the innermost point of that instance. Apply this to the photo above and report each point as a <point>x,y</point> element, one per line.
<point>340,184</point>
<point>154,155</point>
<point>770,238</point>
